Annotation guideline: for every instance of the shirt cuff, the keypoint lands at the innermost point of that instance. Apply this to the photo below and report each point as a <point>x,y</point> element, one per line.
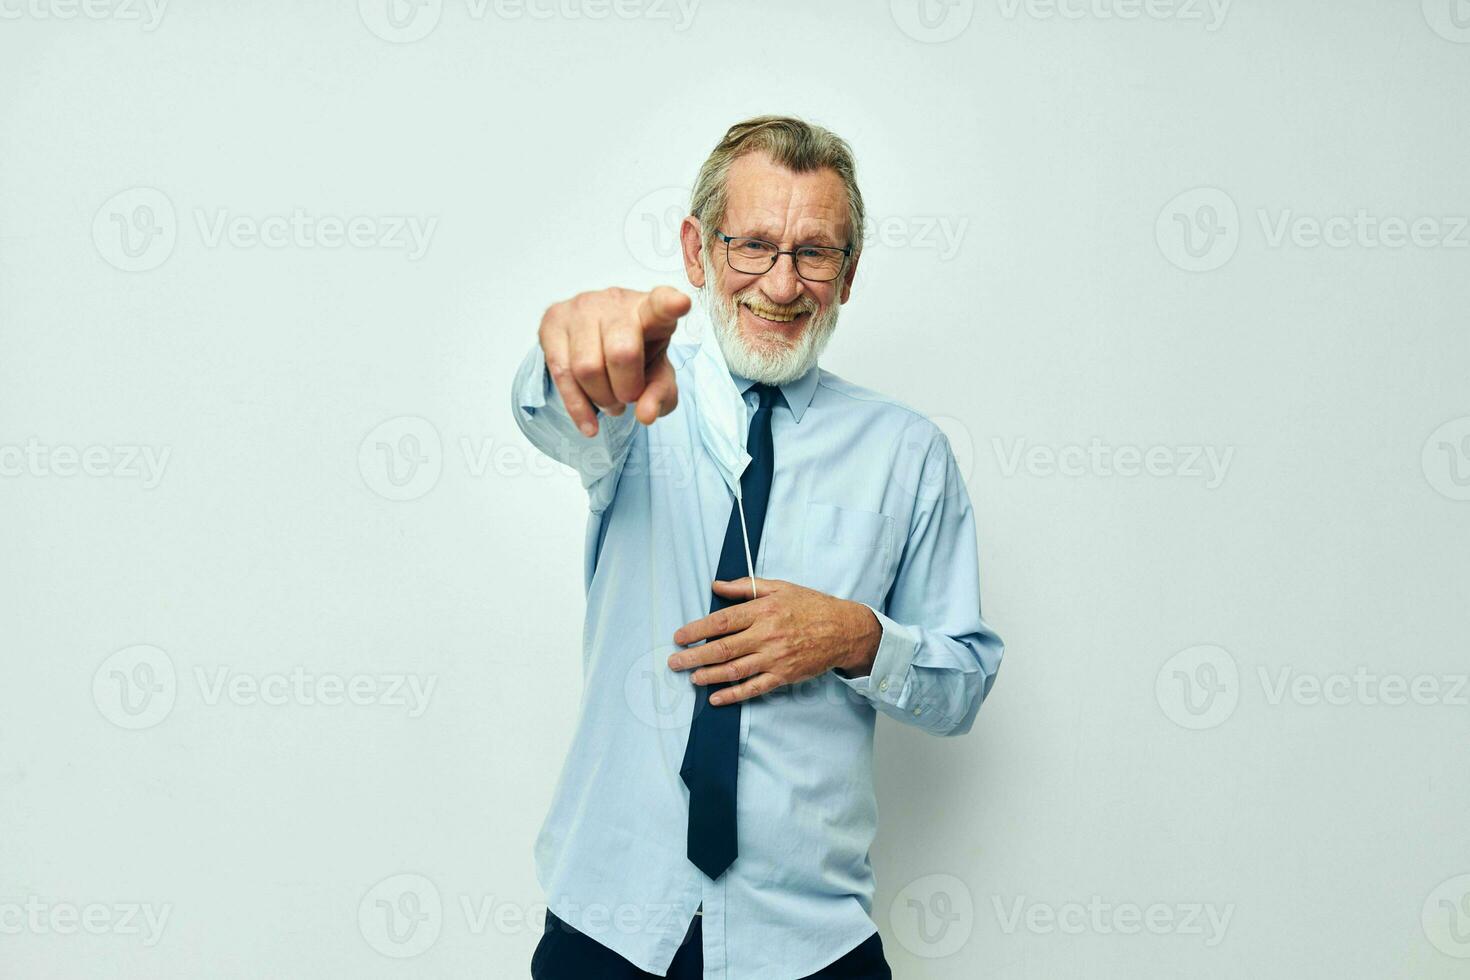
<point>887,682</point>
<point>538,391</point>
<point>537,383</point>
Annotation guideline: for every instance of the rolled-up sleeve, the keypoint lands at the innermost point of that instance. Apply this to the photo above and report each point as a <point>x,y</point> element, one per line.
<point>937,658</point>
<point>542,416</point>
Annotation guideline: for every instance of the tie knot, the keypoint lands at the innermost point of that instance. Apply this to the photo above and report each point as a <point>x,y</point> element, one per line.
<point>767,395</point>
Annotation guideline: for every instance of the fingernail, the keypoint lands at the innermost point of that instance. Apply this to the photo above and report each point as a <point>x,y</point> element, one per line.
<point>588,429</point>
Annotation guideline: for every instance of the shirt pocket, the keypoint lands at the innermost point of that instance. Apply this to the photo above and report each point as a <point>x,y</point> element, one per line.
<point>849,553</point>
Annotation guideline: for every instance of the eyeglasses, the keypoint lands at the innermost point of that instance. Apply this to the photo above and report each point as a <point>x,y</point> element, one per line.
<point>756,257</point>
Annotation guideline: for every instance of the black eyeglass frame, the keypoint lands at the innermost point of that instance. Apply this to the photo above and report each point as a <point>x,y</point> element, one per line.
<point>846,251</point>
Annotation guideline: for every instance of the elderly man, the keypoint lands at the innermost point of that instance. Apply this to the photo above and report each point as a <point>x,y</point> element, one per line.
<point>773,556</point>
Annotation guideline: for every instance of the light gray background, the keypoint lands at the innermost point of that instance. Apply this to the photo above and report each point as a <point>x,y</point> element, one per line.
<point>1028,282</point>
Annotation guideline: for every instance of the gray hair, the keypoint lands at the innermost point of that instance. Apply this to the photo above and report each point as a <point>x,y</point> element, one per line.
<point>793,143</point>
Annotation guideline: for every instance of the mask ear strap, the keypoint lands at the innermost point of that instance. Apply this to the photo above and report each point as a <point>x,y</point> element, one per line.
<point>745,536</point>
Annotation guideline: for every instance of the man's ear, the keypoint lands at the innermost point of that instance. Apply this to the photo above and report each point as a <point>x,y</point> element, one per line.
<point>847,279</point>
<point>691,243</point>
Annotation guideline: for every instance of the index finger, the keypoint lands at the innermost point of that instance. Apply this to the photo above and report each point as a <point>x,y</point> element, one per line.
<point>731,619</point>
<point>659,311</point>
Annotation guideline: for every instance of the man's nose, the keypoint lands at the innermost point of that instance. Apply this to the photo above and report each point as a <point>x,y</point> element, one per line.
<point>782,285</point>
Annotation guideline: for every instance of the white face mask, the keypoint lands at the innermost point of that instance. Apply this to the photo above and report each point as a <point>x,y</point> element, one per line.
<point>724,418</point>
<point>723,425</point>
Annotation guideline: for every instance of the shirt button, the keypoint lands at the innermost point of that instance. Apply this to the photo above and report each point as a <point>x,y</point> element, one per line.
<point>883,684</point>
<point>918,711</point>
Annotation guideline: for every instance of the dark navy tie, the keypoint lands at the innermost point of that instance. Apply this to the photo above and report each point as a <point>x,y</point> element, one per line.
<point>714,735</point>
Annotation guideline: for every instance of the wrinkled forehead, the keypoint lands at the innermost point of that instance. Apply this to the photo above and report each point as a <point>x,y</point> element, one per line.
<point>766,200</point>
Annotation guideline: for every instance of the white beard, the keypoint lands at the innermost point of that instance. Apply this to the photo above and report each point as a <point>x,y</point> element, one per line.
<point>775,365</point>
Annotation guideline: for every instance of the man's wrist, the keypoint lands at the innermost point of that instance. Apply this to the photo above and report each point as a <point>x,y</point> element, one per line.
<point>869,634</point>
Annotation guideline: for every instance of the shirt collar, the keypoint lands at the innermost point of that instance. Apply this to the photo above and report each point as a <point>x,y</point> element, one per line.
<point>798,393</point>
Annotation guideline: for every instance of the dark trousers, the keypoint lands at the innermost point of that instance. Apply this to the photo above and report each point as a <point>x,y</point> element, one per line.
<point>566,954</point>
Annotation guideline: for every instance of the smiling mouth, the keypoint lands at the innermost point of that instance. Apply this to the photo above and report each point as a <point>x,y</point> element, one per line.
<point>774,316</point>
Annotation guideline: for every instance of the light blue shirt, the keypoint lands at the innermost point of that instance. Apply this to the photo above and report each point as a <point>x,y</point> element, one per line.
<point>866,504</point>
